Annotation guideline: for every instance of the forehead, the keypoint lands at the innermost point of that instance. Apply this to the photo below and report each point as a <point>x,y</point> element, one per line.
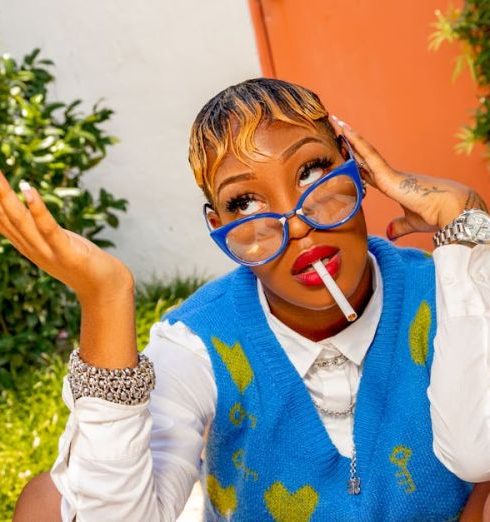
<point>270,141</point>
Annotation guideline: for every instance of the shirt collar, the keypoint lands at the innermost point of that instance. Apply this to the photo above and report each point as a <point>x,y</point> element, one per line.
<point>353,341</point>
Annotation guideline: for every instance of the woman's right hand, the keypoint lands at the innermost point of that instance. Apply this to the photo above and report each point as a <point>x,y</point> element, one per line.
<point>68,257</point>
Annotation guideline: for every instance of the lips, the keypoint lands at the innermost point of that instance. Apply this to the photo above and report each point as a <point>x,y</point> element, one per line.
<point>305,260</point>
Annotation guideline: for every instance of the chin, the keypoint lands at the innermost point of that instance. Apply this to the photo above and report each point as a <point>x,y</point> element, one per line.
<point>316,298</point>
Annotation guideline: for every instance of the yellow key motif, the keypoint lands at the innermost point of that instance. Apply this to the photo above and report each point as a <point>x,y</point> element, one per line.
<point>400,457</point>
<point>238,459</point>
<point>238,415</point>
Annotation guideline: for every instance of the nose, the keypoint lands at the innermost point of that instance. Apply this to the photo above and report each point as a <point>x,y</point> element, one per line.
<point>297,227</point>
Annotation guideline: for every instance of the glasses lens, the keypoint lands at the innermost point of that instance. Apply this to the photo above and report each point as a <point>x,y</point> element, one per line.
<point>255,240</point>
<point>332,201</point>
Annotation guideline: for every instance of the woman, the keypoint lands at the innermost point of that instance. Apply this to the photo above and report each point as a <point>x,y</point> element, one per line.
<point>264,358</point>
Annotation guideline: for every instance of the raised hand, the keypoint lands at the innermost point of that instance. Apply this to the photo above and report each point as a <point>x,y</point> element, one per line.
<point>71,258</point>
<point>428,203</point>
<point>103,284</point>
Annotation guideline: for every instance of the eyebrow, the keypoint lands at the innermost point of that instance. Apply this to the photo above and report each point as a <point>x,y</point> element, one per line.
<point>233,179</point>
<point>295,146</point>
<point>285,155</point>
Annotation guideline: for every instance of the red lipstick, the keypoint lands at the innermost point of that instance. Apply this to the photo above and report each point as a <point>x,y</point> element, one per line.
<point>305,274</point>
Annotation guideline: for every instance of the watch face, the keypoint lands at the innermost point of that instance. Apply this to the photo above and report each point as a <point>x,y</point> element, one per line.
<point>477,225</point>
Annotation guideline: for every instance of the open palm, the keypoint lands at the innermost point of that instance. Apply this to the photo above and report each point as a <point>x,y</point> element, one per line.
<point>68,257</point>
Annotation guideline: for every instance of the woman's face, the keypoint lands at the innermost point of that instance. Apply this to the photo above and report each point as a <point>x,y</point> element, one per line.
<point>288,159</point>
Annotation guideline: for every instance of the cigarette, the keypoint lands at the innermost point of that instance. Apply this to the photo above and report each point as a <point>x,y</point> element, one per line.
<point>335,291</point>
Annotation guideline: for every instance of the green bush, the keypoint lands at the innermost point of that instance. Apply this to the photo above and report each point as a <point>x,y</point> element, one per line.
<point>51,145</point>
<point>155,298</point>
<point>469,25</point>
<point>32,413</point>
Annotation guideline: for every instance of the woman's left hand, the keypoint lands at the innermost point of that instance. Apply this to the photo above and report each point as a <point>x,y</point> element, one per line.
<point>429,203</point>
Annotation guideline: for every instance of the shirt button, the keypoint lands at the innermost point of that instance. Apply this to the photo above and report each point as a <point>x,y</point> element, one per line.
<point>481,277</point>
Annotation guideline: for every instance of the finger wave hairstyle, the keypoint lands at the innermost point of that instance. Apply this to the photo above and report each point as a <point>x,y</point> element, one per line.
<point>229,120</point>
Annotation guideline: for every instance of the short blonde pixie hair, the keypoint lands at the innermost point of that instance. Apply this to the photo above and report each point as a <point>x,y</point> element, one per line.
<point>227,123</point>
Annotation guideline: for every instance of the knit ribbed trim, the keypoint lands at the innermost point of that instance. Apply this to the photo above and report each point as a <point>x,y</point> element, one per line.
<point>373,391</point>
<point>285,380</point>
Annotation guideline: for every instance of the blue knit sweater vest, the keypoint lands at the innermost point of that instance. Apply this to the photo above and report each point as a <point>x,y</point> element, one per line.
<point>269,457</point>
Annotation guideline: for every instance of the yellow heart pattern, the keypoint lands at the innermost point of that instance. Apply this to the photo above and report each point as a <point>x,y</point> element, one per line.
<point>286,506</point>
<point>418,335</point>
<point>223,499</point>
<point>236,362</point>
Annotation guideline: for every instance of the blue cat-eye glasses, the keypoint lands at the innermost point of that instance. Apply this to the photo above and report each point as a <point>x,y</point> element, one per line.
<point>328,203</point>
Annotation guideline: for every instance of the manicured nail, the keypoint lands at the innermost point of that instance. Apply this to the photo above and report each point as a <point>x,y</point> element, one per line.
<point>389,231</point>
<point>338,121</point>
<point>342,124</point>
<point>26,190</point>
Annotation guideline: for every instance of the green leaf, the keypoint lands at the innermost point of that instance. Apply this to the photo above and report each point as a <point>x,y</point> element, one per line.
<point>51,149</point>
<point>46,158</point>
<point>45,143</point>
<point>29,58</point>
<point>51,198</point>
<point>65,192</point>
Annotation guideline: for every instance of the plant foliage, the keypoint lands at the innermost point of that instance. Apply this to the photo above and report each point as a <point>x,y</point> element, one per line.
<point>51,145</point>
<point>32,413</point>
<point>155,298</point>
<point>470,26</point>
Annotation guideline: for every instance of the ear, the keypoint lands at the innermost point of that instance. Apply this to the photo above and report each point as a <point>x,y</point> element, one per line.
<point>342,147</point>
<point>212,218</point>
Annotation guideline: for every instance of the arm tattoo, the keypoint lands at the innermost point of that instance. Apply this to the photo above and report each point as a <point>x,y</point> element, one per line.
<point>411,184</point>
<point>475,201</point>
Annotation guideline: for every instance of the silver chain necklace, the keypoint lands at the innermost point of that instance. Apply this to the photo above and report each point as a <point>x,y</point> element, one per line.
<point>334,362</point>
<point>354,482</point>
<point>335,413</point>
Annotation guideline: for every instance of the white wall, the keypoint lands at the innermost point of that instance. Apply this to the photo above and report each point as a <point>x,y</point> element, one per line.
<point>156,62</point>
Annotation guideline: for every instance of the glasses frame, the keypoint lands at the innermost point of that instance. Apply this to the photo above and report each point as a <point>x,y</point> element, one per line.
<point>349,168</point>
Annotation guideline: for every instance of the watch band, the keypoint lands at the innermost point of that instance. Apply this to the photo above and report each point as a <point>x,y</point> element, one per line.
<point>449,233</point>
<point>471,228</point>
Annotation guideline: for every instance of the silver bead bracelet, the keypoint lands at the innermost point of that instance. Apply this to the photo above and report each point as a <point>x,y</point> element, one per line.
<point>128,386</point>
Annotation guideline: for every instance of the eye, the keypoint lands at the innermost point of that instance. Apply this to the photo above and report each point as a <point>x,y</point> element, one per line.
<point>313,171</point>
<point>246,204</point>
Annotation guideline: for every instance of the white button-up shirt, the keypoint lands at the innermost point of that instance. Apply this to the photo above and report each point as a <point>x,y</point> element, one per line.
<point>139,463</point>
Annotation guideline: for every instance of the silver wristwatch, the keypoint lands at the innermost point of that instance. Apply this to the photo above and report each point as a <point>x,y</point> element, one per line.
<point>471,226</point>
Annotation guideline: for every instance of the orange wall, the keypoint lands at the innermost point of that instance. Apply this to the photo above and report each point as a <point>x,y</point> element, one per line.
<point>369,62</point>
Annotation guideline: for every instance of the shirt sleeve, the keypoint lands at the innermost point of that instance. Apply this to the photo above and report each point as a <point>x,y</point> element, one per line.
<point>459,391</point>
<point>140,462</point>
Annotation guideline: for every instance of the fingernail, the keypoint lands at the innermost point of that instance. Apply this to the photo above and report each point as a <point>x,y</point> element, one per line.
<point>26,190</point>
<point>389,232</point>
<point>338,121</point>
<point>345,125</point>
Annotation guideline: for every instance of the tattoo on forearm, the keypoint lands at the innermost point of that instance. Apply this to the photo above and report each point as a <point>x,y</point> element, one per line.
<point>411,184</point>
<point>475,201</point>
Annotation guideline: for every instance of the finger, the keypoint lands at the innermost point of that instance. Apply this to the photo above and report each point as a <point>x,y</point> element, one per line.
<point>45,223</point>
<point>381,172</point>
<point>19,218</point>
<point>7,228</point>
<point>8,231</point>
<point>399,227</point>
<point>364,169</point>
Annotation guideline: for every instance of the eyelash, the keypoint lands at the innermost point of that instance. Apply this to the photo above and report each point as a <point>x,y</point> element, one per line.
<point>236,203</point>
<point>318,163</point>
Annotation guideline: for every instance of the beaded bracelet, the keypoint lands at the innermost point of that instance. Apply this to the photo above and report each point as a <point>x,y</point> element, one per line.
<point>122,386</point>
